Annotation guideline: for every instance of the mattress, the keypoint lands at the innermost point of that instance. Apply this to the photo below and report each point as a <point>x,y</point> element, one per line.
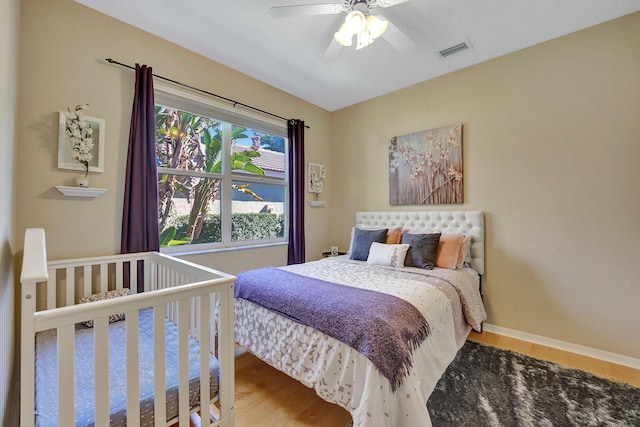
<point>46,399</point>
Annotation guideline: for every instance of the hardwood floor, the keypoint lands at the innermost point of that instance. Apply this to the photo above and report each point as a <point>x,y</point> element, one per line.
<point>266,397</point>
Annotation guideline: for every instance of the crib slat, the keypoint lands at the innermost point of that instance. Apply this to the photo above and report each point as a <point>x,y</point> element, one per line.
<point>71,286</point>
<point>153,271</point>
<point>133,370</point>
<point>51,290</point>
<point>194,318</point>
<point>101,361</point>
<point>87,280</point>
<point>213,298</point>
<point>119,275</point>
<point>159,375</point>
<point>148,284</point>
<point>205,324</point>
<point>66,392</point>
<point>183,362</point>
<point>104,278</point>
<point>133,276</point>
<point>169,281</point>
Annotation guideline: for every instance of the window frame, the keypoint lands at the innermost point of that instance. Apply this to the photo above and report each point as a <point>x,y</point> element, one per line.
<point>186,100</point>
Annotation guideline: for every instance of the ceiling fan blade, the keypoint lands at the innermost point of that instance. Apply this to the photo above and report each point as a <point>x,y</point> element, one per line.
<point>389,3</point>
<point>332,51</point>
<point>304,9</point>
<point>397,38</point>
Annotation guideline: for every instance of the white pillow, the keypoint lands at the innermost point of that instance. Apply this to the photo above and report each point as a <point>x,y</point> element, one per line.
<point>384,254</point>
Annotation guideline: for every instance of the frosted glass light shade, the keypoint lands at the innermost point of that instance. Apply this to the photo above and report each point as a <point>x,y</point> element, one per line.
<point>355,21</point>
<point>344,36</point>
<point>376,25</point>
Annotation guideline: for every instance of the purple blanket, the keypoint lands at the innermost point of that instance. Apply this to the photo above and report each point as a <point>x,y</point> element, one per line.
<point>382,327</point>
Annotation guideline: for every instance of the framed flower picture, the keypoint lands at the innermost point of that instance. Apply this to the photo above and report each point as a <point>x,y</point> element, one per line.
<point>66,158</point>
<point>425,168</point>
<point>316,178</point>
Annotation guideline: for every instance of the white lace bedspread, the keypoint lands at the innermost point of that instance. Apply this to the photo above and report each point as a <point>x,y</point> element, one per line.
<point>340,374</point>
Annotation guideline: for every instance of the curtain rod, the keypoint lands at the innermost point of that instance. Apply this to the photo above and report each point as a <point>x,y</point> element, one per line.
<point>234,102</point>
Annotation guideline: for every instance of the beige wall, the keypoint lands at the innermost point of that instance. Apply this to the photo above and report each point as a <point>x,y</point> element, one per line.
<point>9,27</point>
<point>550,149</point>
<point>551,146</point>
<point>62,64</point>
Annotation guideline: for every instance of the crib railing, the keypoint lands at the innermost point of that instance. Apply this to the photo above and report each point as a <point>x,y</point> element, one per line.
<point>197,299</point>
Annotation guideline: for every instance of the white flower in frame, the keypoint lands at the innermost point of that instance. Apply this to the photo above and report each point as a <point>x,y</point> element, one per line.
<point>317,174</point>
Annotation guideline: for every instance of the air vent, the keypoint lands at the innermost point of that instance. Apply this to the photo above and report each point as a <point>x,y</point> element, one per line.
<point>455,49</point>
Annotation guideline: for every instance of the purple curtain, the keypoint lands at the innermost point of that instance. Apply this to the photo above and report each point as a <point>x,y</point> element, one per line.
<point>296,192</point>
<point>140,211</point>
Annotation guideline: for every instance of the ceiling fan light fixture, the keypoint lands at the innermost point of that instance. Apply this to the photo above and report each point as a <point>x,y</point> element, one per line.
<point>355,21</point>
<point>376,25</point>
<point>344,36</point>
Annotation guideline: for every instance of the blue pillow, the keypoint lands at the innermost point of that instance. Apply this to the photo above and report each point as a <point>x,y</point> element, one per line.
<point>423,249</point>
<point>362,240</point>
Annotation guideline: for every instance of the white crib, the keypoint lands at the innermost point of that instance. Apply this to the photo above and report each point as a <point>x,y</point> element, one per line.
<point>196,301</point>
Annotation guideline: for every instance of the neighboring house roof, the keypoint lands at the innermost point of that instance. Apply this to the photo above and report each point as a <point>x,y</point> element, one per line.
<point>271,161</point>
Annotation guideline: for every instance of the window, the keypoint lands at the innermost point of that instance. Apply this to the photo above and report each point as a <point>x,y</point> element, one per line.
<point>222,178</point>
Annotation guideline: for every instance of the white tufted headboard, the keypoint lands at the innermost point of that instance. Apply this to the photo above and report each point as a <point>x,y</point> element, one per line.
<point>467,222</point>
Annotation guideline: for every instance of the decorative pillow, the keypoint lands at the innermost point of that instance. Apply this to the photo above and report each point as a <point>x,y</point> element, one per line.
<point>452,250</point>
<point>383,254</point>
<point>423,249</point>
<point>362,240</point>
<point>465,251</point>
<point>106,295</point>
<point>394,235</point>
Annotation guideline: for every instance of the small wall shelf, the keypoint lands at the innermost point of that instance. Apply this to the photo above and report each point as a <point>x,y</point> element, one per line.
<point>80,191</point>
<point>316,203</point>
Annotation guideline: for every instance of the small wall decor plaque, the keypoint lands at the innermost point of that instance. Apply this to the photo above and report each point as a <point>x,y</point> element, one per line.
<point>316,178</point>
<point>66,152</point>
<point>425,168</point>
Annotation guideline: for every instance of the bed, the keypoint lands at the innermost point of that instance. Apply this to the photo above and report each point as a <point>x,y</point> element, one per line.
<point>359,370</point>
<point>95,351</point>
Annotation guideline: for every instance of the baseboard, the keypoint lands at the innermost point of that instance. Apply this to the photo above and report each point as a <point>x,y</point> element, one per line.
<point>595,353</point>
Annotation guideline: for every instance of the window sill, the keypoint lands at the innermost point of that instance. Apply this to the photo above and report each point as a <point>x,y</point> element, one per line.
<point>176,253</point>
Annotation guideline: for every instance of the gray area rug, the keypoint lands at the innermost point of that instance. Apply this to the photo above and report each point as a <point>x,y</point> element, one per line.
<point>486,386</point>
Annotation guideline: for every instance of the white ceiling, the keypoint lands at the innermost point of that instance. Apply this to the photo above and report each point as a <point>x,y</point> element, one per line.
<point>287,53</point>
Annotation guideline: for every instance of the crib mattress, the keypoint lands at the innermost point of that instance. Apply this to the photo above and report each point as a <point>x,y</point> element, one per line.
<point>46,381</point>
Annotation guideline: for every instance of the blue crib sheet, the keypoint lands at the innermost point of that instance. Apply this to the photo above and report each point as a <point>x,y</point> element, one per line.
<point>46,398</point>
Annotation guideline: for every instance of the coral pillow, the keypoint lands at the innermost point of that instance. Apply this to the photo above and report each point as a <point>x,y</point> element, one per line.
<point>452,250</point>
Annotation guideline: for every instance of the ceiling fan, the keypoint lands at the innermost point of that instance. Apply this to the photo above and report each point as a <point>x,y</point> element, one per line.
<point>362,21</point>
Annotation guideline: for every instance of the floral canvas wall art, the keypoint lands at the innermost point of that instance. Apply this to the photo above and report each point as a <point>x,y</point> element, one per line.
<point>425,168</point>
